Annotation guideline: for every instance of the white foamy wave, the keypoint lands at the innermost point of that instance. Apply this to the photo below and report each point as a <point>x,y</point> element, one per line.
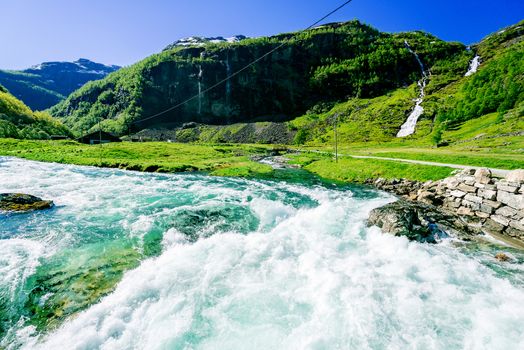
<point>319,279</point>
<point>19,258</point>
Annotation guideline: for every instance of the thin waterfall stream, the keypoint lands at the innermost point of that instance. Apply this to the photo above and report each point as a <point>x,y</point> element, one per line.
<point>408,128</point>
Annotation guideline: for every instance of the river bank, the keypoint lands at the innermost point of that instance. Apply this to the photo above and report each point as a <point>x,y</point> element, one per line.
<point>259,162</point>
<point>219,159</point>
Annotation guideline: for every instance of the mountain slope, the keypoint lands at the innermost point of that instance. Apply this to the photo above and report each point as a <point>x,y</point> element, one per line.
<point>46,84</point>
<point>451,99</point>
<point>371,81</point>
<point>18,121</point>
<point>323,65</point>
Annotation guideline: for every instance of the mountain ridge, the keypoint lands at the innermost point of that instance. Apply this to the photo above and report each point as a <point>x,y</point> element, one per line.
<point>202,41</point>
<point>44,85</point>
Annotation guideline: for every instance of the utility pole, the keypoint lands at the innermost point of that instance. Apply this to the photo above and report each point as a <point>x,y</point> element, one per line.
<point>336,137</point>
<point>99,132</point>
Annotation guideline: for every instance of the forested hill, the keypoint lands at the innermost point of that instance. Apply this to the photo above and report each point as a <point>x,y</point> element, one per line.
<point>329,63</point>
<point>18,121</point>
<point>46,84</point>
<point>367,77</point>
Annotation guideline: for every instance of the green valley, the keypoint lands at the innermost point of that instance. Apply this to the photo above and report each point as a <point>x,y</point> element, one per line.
<point>349,74</point>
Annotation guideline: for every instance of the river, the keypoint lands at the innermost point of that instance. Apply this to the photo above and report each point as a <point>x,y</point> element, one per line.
<point>128,260</point>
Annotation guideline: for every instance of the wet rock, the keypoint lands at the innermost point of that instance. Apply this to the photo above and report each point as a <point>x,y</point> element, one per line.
<point>419,222</point>
<point>60,288</point>
<point>19,202</point>
<point>500,219</point>
<point>428,198</point>
<point>204,222</point>
<point>491,226</point>
<point>502,257</point>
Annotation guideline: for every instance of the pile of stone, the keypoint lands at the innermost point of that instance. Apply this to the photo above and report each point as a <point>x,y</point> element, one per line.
<point>494,205</point>
<point>420,222</point>
<point>498,204</point>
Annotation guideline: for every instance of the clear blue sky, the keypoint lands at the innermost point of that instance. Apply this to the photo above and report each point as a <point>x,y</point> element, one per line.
<point>123,32</point>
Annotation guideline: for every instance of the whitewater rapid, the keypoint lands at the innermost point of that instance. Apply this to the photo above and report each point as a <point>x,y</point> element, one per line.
<point>281,266</point>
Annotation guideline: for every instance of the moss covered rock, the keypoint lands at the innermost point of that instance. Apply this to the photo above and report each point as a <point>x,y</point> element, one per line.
<point>19,202</point>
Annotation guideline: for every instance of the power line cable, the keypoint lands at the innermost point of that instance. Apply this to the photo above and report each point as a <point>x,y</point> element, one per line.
<point>238,71</point>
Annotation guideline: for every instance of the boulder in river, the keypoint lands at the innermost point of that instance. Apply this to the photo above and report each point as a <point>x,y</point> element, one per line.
<point>19,202</point>
<point>419,222</point>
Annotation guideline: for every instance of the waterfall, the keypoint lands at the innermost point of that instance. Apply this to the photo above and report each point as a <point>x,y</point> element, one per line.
<point>200,77</point>
<point>228,82</point>
<point>408,128</point>
<point>473,66</point>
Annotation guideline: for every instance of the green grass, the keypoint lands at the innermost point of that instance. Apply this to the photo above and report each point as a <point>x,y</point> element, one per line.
<point>486,141</point>
<point>501,161</point>
<point>359,170</point>
<point>219,160</point>
<point>223,160</point>
<point>502,157</point>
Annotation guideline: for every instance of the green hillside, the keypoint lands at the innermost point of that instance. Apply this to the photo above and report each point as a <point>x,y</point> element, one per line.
<point>318,67</point>
<point>366,78</point>
<point>18,121</point>
<point>451,100</point>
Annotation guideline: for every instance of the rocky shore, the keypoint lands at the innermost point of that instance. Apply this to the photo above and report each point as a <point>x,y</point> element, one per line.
<point>472,201</point>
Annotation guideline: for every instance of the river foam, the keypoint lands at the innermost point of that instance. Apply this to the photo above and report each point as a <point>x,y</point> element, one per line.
<point>310,275</point>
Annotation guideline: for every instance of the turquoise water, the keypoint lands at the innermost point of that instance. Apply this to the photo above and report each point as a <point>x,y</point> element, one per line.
<point>142,261</point>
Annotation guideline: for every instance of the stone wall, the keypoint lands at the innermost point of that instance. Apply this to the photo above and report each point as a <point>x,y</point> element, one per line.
<point>498,204</point>
<point>494,205</point>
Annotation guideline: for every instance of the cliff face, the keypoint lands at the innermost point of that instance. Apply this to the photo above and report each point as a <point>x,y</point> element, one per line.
<point>326,64</point>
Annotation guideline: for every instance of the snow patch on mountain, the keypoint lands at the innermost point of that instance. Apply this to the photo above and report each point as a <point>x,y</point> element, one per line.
<point>202,41</point>
<point>81,66</point>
